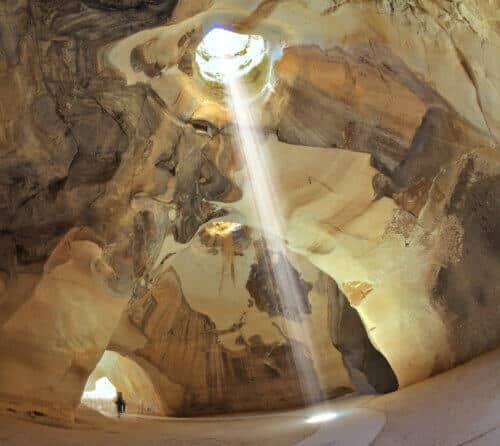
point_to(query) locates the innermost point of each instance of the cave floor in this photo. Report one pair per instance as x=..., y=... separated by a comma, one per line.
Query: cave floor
x=457, y=408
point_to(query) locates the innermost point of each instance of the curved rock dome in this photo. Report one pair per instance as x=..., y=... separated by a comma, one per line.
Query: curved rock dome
x=254, y=205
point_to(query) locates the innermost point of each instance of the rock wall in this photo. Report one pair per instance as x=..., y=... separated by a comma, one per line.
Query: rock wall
x=121, y=181
x=52, y=343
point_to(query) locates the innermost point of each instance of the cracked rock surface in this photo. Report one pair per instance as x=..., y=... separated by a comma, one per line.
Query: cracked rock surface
x=126, y=217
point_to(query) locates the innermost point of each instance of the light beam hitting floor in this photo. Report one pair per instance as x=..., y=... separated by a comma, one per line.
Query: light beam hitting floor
x=258, y=167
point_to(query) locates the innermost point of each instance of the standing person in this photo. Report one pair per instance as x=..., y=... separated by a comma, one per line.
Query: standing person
x=120, y=404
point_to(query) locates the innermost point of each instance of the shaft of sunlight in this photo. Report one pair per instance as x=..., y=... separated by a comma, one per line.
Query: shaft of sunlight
x=266, y=205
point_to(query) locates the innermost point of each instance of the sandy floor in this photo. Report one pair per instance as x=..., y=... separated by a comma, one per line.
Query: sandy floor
x=275, y=429
x=459, y=408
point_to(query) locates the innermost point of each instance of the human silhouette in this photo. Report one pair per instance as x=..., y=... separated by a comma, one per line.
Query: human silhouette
x=120, y=404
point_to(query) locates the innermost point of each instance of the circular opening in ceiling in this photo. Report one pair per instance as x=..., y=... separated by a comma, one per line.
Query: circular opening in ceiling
x=224, y=54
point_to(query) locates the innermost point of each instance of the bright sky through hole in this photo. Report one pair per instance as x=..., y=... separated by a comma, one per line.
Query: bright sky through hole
x=223, y=53
x=104, y=389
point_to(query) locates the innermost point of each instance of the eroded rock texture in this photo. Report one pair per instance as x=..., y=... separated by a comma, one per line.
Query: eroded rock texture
x=199, y=374
x=264, y=289
x=126, y=221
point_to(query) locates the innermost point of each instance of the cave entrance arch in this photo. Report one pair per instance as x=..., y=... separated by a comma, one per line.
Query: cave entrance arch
x=117, y=373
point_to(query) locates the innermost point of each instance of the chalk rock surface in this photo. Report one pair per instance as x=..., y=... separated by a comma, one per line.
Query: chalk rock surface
x=127, y=210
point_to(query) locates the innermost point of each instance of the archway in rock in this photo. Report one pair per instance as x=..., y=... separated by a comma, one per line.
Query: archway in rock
x=117, y=163
x=113, y=373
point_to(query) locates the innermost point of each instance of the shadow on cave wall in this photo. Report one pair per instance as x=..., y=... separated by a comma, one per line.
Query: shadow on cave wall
x=467, y=290
x=369, y=370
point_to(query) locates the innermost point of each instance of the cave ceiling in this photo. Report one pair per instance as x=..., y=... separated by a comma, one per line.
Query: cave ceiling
x=126, y=214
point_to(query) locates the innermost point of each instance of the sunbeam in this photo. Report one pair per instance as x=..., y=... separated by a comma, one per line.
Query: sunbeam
x=258, y=167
